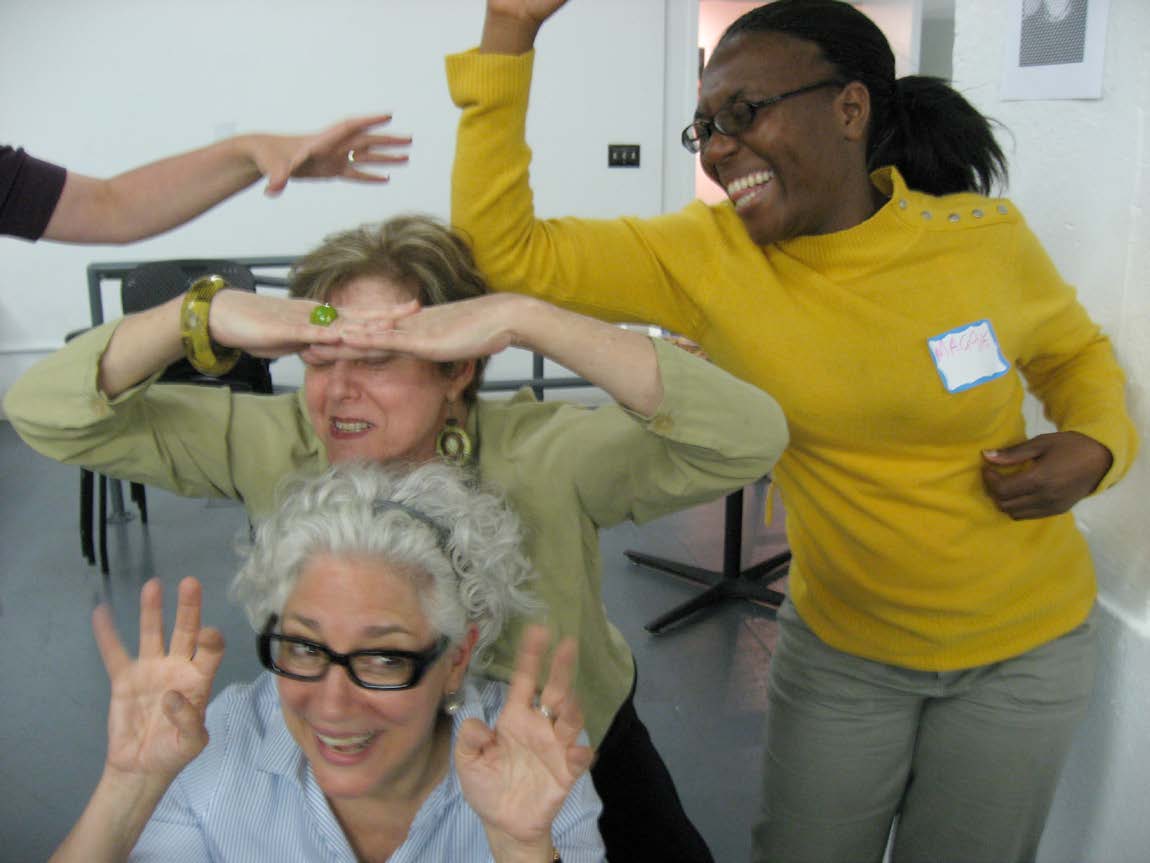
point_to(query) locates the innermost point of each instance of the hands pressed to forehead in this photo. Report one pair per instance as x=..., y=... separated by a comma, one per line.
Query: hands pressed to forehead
x=358, y=333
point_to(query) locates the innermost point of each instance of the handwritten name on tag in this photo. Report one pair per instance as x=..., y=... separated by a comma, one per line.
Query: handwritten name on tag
x=967, y=356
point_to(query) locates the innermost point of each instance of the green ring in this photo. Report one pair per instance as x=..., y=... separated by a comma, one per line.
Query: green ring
x=323, y=315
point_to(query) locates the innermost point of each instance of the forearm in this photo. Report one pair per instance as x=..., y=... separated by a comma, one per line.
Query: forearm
x=153, y=198
x=1067, y=361
x=619, y=361
x=113, y=820
x=611, y=269
x=143, y=344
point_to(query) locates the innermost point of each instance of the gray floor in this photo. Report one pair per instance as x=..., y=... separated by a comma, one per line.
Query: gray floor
x=701, y=692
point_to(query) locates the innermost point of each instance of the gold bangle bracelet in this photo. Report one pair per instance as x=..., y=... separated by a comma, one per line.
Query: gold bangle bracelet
x=206, y=357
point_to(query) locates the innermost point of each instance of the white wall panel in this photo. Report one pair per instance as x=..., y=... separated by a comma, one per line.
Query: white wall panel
x=103, y=87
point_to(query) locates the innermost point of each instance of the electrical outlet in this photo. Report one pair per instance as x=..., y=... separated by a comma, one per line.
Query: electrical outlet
x=622, y=155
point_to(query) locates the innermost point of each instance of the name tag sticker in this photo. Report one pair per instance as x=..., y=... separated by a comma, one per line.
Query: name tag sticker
x=967, y=356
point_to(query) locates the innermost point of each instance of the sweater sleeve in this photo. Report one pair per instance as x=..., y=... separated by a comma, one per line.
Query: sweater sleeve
x=1069, y=363
x=613, y=269
x=712, y=434
x=197, y=441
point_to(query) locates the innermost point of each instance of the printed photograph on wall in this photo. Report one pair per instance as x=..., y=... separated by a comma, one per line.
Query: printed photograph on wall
x=1053, y=32
x=1054, y=49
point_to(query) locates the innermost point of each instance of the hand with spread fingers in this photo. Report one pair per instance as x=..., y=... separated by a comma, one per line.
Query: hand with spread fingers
x=343, y=150
x=1045, y=475
x=156, y=715
x=517, y=775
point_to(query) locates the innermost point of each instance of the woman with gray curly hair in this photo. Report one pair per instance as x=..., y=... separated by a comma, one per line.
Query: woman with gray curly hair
x=399, y=578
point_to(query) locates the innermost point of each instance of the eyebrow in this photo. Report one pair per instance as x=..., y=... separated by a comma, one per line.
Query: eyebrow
x=368, y=632
x=737, y=96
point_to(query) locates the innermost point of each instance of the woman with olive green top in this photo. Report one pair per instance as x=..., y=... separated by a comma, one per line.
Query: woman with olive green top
x=383, y=386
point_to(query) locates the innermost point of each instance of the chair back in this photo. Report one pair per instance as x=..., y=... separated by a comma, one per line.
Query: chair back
x=157, y=282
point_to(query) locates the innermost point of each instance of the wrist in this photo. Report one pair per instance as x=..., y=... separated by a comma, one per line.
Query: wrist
x=526, y=319
x=165, y=318
x=507, y=34
x=245, y=152
x=133, y=795
x=202, y=351
x=505, y=848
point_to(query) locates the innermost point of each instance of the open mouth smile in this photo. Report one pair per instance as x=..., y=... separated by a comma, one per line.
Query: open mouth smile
x=344, y=427
x=749, y=188
x=351, y=745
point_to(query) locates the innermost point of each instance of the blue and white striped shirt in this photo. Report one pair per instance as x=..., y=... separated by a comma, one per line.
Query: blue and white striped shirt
x=251, y=796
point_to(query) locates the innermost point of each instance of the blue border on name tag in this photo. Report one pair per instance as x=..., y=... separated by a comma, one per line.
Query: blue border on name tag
x=974, y=383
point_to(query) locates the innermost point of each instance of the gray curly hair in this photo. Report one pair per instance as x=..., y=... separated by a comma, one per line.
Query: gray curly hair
x=462, y=542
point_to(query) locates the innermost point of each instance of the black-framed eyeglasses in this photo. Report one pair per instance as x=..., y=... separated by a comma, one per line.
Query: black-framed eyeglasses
x=304, y=659
x=736, y=117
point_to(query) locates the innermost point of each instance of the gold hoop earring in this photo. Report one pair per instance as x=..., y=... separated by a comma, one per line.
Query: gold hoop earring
x=453, y=443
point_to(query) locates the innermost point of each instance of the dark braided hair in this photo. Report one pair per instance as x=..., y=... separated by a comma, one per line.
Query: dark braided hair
x=938, y=141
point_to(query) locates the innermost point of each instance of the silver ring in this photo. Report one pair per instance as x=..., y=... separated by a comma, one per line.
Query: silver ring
x=546, y=713
x=351, y=156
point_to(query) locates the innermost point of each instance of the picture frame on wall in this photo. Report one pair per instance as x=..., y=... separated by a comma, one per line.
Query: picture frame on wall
x=1054, y=49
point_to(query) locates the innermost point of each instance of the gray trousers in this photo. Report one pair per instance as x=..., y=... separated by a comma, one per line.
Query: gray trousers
x=968, y=760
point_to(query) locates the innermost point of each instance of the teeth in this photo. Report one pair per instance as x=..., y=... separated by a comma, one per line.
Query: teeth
x=746, y=200
x=757, y=178
x=347, y=744
x=356, y=426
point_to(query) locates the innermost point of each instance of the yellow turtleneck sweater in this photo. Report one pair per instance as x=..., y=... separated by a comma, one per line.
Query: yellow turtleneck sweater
x=879, y=343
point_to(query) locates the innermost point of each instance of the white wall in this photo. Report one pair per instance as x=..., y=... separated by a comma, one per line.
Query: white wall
x=103, y=86
x=937, y=55
x=1079, y=172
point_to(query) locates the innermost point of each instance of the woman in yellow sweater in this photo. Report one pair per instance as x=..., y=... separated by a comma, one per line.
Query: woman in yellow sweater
x=937, y=650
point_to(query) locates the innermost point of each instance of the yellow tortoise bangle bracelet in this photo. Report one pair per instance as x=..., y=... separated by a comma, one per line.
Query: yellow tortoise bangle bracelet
x=206, y=357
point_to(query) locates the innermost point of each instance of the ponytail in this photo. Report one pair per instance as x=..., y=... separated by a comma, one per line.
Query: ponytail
x=936, y=139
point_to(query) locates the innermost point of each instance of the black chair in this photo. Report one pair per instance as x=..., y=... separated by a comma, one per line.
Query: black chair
x=143, y=287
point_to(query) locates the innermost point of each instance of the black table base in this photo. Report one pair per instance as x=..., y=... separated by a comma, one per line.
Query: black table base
x=733, y=582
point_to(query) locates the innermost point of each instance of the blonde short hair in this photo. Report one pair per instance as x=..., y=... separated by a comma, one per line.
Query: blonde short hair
x=414, y=250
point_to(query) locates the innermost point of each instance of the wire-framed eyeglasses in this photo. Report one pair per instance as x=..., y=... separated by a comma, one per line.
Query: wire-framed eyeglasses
x=736, y=117
x=304, y=659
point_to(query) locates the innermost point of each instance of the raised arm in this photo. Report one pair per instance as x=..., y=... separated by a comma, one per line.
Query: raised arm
x=162, y=195
x=155, y=721
x=693, y=432
x=614, y=268
x=92, y=402
x=147, y=342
